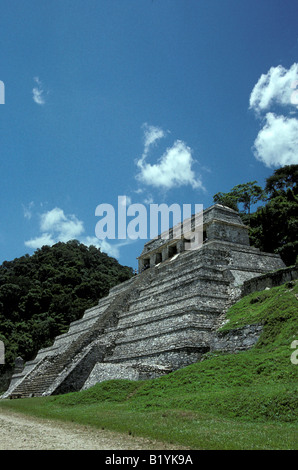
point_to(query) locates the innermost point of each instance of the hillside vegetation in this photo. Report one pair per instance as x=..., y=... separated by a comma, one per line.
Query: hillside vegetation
x=40, y=295
x=246, y=400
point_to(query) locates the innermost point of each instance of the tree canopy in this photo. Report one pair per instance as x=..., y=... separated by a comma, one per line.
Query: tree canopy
x=246, y=193
x=40, y=295
x=273, y=227
x=283, y=178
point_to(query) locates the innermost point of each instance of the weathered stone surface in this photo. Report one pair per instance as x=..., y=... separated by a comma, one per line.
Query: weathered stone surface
x=160, y=320
x=238, y=339
x=125, y=371
x=270, y=280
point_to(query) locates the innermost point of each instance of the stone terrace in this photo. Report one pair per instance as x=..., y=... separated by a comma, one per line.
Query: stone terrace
x=163, y=319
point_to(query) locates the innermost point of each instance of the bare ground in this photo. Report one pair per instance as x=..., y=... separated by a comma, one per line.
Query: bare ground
x=20, y=432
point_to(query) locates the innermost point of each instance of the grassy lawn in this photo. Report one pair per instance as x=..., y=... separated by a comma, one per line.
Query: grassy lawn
x=191, y=429
x=228, y=401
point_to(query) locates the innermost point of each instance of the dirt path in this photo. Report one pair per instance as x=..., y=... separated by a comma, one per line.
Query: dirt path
x=20, y=432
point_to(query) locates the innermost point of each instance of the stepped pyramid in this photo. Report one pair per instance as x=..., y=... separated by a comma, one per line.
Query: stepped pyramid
x=160, y=320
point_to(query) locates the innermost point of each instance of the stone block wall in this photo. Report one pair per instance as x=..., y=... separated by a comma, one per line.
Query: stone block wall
x=269, y=280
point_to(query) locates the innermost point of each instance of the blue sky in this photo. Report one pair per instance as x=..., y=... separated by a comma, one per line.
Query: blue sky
x=164, y=101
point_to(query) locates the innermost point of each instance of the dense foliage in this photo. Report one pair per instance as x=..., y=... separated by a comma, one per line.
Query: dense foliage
x=41, y=294
x=238, y=401
x=274, y=225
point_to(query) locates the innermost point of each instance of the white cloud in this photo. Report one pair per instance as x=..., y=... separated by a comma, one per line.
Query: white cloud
x=151, y=135
x=173, y=169
x=275, y=87
x=55, y=226
x=111, y=249
x=65, y=227
x=148, y=200
x=277, y=143
x=38, y=92
x=38, y=242
x=104, y=245
x=51, y=220
x=125, y=201
x=28, y=210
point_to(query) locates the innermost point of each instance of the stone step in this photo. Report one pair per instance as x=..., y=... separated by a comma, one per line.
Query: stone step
x=192, y=280
x=166, y=325
x=176, y=299
x=49, y=368
x=165, y=313
x=192, y=286
x=186, y=338
x=159, y=311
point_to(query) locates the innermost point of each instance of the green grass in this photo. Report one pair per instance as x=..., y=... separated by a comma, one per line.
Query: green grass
x=246, y=400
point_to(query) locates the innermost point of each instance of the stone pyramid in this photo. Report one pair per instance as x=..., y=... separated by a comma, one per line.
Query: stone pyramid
x=160, y=320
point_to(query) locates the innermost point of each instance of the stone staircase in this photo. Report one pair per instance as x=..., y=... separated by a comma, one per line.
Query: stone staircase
x=40, y=379
x=161, y=320
x=171, y=320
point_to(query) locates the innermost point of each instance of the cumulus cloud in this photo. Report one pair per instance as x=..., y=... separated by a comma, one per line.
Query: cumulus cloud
x=104, y=245
x=55, y=226
x=174, y=167
x=277, y=142
x=38, y=242
x=38, y=92
x=64, y=227
x=274, y=87
x=151, y=135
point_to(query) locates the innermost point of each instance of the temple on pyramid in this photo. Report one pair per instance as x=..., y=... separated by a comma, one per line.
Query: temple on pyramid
x=162, y=319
